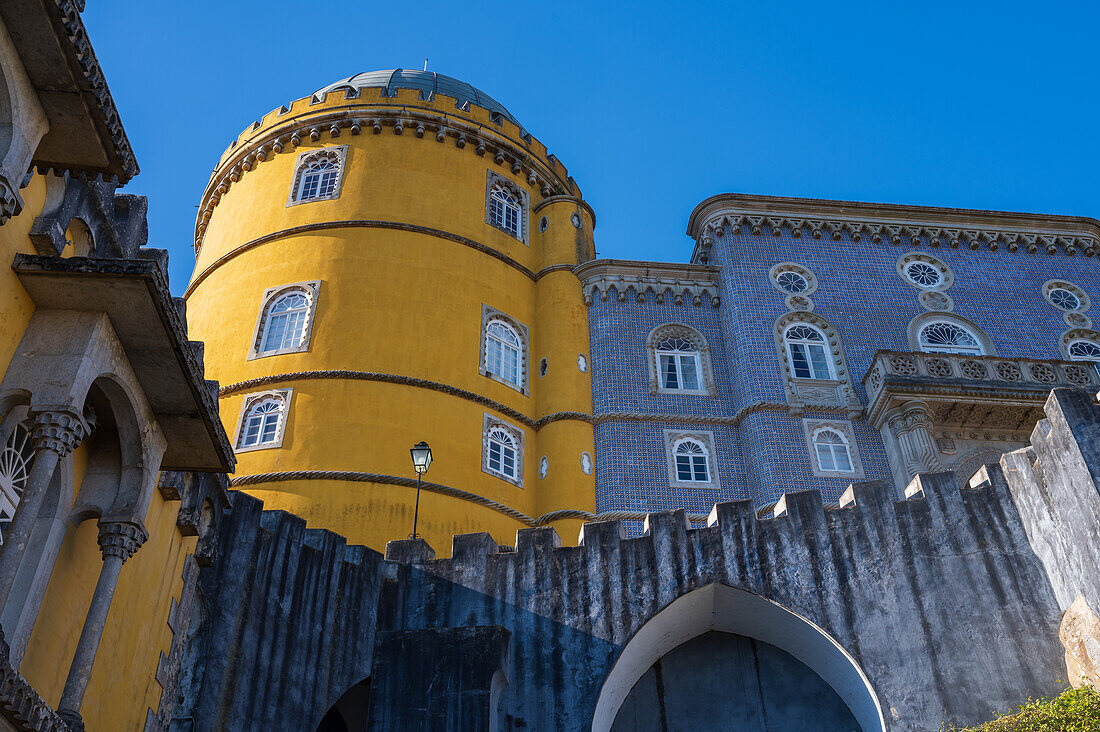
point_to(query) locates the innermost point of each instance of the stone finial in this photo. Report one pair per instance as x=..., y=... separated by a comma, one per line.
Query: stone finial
x=120, y=538
x=60, y=430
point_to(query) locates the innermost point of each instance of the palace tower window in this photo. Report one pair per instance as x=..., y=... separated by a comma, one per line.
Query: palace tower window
x=806, y=349
x=285, y=321
x=263, y=420
x=318, y=175
x=502, y=450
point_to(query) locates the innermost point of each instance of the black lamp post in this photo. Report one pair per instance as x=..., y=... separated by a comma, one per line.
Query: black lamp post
x=422, y=458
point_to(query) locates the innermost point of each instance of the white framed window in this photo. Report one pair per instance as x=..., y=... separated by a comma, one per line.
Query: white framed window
x=1085, y=350
x=792, y=278
x=285, y=322
x=263, y=420
x=678, y=364
x=924, y=271
x=832, y=447
x=1066, y=296
x=807, y=350
x=679, y=360
x=692, y=462
x=16, y=461
x=504, y=349
x=502, y=450
x=506, y=206
x=318, y=175
x=940, y=336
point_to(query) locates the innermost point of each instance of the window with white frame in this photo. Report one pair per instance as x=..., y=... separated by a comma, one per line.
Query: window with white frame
x=505, y=206
x=504, y=349
x=691, y=459
x=807, y=351
x=502, y=450
x=318, y=175
x=678, y=364
x=944, y=337
x=1084, y=350
x=286, y=320
x=832, y=451
x=16, y=460
x=263, y=420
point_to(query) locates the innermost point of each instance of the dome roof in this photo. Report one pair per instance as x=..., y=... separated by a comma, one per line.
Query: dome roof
x=426, y=82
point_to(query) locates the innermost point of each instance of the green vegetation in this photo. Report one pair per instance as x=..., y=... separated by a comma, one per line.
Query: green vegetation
x=1075, y=710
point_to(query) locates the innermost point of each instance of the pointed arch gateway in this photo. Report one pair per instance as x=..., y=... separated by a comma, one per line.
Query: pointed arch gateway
x=727, y=610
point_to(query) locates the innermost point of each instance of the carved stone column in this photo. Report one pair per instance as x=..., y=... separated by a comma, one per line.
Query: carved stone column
x=910, y=425
x=55, y=434
x=118, y=540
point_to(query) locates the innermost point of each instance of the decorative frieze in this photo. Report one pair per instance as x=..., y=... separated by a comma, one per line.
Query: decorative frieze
x=641, y=281
x=894, y=224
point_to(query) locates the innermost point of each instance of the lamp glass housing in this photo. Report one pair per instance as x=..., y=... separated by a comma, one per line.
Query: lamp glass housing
x=421, y=457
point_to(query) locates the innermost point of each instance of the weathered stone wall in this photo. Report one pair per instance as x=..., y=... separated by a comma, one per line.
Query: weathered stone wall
x=949, y=602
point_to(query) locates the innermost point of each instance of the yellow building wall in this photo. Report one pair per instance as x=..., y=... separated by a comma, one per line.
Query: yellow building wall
x=16, y=307
x=405, y=303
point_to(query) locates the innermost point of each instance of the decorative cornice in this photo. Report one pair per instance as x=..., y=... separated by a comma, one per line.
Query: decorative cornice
x=897, y=224
x=287, y=134
x=351, y=375
x=732, y=421
x=355, y=224
x=245, y=481
x=696, y=282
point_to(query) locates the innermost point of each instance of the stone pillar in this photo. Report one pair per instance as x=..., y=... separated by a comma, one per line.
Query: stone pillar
x=910, y=426
x=55, y=433
x=118, y=540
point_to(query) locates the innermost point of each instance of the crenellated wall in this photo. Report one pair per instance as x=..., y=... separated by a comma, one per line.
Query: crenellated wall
x=947, y=605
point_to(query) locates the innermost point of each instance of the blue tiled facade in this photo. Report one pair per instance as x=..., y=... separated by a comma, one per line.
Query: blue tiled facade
x=762, y=450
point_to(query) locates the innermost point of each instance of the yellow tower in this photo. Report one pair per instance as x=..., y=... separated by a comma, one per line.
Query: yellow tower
x=387, y=261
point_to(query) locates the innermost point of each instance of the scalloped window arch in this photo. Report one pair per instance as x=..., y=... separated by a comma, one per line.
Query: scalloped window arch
x=692, y=459
x=502, y=450
x=832, y=451
x=807, y=350
x=504, y=352
x=944, y=336
x=285, y=322
x=318, y=175
x=679, y=360
x=263, y=420
x=1083, y=349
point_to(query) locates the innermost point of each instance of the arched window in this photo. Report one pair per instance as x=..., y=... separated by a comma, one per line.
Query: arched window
x=678, y=364
x=285, y=322
x=806, y=347
x=503, y=452
x=16, y=460
x=1083, y=350
x=263, y=420
x=503, y=352
x=505, y=210
x=318, y=175
x=692, y=462
x=833, y=452
x=943, y=337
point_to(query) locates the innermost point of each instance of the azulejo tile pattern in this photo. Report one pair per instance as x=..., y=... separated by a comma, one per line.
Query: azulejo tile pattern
x=764, y=453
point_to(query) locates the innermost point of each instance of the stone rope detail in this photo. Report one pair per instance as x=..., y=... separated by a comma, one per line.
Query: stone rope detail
x=535, y=424
x=446, y=490
x=355, y=224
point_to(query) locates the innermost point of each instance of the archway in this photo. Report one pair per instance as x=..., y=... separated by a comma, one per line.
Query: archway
x=725, y=610
x=349, y=713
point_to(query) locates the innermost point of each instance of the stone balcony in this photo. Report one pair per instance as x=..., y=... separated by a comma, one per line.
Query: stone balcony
x=939, y=411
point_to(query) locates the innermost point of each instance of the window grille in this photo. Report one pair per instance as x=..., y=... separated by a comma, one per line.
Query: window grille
x=833, y=453
x=692, y=462
x=502, y=455
x=285, y=322
x=261, y=423
x=678, y=364
x=806, y=349
x=941, y=337
x=16, y=460
x=503, y=352
x=505, y=211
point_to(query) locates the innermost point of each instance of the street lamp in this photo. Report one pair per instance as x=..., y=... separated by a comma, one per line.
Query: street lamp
x=422, y=458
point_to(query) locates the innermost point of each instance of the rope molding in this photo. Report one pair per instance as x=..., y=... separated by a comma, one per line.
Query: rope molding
x=446, y=490
x=535, y=424
x=355, y=224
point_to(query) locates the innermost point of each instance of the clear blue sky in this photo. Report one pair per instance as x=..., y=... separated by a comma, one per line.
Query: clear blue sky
x=652, y=106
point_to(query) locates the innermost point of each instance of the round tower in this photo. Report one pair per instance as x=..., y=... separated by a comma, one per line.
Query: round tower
x=387, y=261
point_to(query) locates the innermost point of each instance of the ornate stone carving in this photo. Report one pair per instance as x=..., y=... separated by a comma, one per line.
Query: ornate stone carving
x=1008, y=371
x=939, y=302
x=800, y=304
x=120, y=538
x=59, y=430
x=696, y=284
x=1042, y=373
x=939, y=368
x=972, y=369
x=903, y=366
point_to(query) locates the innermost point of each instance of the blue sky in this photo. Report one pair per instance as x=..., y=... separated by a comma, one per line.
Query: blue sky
x=652, y=107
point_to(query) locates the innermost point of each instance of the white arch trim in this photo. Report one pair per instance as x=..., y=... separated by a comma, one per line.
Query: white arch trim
x=729, y=610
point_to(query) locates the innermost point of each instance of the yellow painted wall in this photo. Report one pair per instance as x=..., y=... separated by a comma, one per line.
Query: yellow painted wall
x=399, y=302
x=16, y=307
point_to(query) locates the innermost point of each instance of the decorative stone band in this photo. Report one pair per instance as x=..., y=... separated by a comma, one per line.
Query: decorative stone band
x=507, y=411
x=911, y=416
x=120, y=538
x=910, y=225
x=60, y=430
x=731, y=421
x=637, y=280
x=244, y=481
x=354, y=118
x=356, y=224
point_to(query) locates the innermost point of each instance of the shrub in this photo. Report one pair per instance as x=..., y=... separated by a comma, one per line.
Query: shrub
x=1075, y=710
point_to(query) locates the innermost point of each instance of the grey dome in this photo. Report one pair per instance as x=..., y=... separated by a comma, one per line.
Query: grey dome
x=426, y=82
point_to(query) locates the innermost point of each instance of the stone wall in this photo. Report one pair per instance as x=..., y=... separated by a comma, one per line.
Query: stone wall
x=948, y=602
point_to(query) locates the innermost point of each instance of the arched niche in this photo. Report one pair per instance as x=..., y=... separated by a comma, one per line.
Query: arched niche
x=115, y=483
x=725, y=609
x=350, y=711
